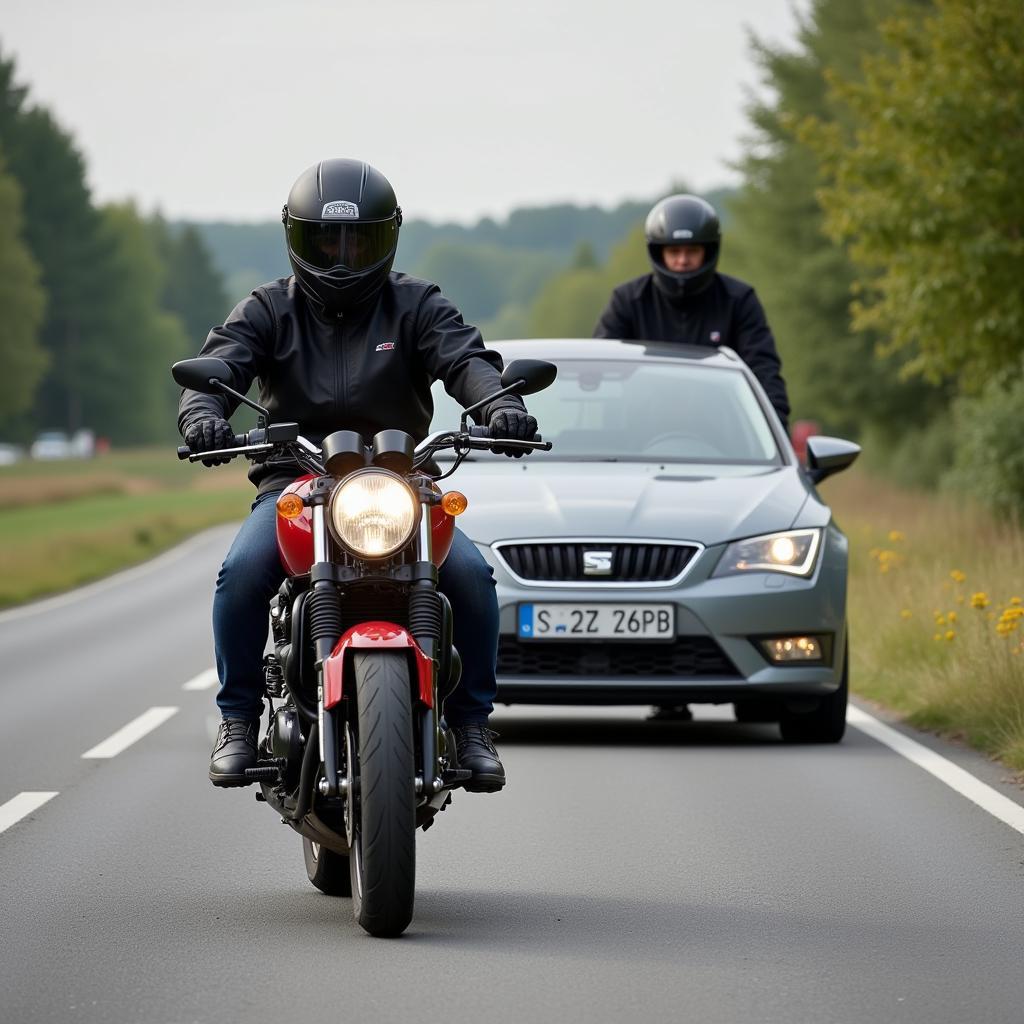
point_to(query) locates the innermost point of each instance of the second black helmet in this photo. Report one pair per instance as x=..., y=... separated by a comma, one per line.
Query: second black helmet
x=341, y=225
x=683, y=220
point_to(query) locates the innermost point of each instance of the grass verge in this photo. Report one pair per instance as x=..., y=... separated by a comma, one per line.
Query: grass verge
x=63, y=524
x=936, y=612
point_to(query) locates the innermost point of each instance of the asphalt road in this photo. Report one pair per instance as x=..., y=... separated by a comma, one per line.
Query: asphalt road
x=700, y=872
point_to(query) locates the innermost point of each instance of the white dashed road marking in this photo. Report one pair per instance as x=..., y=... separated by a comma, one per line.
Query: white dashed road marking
x=23, y=804
x=989, y=799
x=206, y=680
x=134, y=730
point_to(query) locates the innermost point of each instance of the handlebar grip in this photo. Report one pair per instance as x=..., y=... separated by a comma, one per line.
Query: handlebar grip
x=475, y=431
x=239, y=441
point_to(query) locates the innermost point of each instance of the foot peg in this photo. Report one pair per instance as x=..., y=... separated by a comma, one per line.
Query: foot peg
x=265, y=771
x=455, y=777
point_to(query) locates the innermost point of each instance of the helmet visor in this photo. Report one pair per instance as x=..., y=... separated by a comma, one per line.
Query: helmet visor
x=354, y=246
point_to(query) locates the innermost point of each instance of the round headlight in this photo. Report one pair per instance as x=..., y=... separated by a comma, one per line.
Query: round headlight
x=373, y=513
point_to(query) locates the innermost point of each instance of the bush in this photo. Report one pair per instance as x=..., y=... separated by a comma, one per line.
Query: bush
x=989, y=462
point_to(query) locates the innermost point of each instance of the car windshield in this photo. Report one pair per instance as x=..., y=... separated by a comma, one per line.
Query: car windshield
x=650, y=411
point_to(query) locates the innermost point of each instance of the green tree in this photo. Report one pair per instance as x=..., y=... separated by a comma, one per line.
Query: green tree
x=925, y=189
x=63, y=232
x=193, y=287
x=776, y=238
x=22, y=300
x=127, y=393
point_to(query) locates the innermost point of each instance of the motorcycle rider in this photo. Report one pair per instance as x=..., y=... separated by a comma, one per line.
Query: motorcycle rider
x=345, y=343
x=685, y=299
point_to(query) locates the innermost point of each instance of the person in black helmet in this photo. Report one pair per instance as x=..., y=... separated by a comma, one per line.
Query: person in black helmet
x=345, y=343
x=685, y=299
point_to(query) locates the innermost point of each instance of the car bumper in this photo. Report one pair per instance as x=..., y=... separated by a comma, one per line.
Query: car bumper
x=718, y=622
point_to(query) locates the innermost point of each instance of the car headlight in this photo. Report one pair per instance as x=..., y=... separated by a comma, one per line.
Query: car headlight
x=793, y=552
x=374, y=513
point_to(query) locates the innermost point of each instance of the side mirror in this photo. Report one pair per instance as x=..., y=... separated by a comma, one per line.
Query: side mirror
x=828, y=455
x=196, y=374
x=537, y=373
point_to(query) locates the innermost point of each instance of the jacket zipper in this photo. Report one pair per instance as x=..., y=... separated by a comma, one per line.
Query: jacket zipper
x=339, y=375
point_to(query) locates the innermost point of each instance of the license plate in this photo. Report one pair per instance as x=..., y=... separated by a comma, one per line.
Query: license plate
x=597, y=622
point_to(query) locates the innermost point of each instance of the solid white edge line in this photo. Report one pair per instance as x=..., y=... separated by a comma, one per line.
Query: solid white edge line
x=978, y=792
x=20, y=806
x=206, y=680
x=130, y=733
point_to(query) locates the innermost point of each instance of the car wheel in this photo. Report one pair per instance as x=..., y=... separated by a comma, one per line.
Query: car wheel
x=827, y=722
x=756, y=709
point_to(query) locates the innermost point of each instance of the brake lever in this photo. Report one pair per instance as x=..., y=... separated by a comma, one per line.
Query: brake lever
x=231, y=453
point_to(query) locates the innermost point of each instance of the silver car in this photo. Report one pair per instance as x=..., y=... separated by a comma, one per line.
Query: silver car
x=670, y=549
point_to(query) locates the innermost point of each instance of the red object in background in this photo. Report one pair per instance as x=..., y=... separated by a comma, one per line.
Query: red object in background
x=295, y=536
x=798, y=434
x=102, y=446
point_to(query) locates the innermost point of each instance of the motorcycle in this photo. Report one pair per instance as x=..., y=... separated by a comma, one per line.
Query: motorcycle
x=357, y=756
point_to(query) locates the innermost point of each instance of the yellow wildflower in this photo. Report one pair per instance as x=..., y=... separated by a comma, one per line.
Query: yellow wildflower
x=940, y=620
x=979, y=600
x=950, y=634
x=1015, y=600
x=905, y=613
x=951, y=617
x=958, y=575
x=938, y=636
x=895, y=536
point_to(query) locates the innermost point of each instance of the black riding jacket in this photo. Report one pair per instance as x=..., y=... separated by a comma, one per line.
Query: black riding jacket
x=367, y=370
x=726, y=313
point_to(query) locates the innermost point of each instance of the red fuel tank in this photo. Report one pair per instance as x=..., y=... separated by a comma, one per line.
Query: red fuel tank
x=295, y=536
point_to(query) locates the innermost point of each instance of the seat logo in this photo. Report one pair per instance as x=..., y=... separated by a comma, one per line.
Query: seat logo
x=597, y=563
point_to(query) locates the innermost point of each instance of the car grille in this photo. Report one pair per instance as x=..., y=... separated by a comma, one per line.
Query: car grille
x=563, y=562
x=687, y=656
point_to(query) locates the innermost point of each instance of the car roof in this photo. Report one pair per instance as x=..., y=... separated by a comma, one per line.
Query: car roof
x=609, y=348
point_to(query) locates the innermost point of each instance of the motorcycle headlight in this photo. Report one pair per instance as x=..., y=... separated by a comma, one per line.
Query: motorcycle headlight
x=374, y=513
x=791, y=552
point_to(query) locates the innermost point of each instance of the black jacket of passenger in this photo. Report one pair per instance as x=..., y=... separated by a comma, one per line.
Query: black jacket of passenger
x=368, y=370
x=726, y=313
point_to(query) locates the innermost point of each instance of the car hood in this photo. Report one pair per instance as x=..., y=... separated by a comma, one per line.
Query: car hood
x=708, y=504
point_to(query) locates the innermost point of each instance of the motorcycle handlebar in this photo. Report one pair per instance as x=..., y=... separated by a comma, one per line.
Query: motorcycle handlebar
x=240, y=441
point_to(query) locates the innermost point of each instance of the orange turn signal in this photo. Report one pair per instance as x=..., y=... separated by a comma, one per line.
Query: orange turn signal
x=289, y=506
x=454, y=503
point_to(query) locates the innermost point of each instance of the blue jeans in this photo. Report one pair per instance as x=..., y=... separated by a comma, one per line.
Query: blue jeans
x=252, y=573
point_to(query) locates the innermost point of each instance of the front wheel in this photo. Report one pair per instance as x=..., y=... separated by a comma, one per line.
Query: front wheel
x=827, y=722
x=383, y=858
x=327, y=870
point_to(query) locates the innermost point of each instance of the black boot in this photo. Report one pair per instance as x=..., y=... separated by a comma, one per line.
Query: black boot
x=474, y=747
x=234, y=751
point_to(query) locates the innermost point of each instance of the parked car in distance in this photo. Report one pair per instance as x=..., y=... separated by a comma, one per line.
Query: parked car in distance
x=670, y=549
x=51, y=444
x=55, y=444
x=11, y=453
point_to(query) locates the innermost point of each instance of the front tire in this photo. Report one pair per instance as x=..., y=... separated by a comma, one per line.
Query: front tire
x=327, y=870
x=827, y=722
x=383, y=859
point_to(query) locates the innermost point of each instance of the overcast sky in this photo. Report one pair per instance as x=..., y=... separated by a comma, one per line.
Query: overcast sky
x=211, y=108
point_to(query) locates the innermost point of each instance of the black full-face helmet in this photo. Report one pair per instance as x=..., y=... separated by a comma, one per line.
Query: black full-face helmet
x=341, y=224
x=683, y=220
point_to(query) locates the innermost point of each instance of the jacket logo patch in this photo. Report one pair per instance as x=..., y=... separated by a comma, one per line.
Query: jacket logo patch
x=716, y=336
x=340, y=210
x=385, y=346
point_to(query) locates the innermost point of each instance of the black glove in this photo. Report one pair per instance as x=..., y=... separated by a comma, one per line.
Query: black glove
x=514, y=423
x=208, y=435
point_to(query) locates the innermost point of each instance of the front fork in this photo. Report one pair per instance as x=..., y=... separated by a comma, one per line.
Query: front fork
x=325, y=626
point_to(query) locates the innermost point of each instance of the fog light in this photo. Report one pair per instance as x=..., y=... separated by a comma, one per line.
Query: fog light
x=790, y=649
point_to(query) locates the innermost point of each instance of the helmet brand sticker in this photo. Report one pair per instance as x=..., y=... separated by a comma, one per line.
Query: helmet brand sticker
x=682, y=233
x=340, y=210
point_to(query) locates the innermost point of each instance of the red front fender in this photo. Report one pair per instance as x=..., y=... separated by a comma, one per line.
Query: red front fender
x=375, y=636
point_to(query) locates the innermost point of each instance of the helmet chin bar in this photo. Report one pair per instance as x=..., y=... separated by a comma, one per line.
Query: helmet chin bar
x=339, y=290
x=681, y=285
